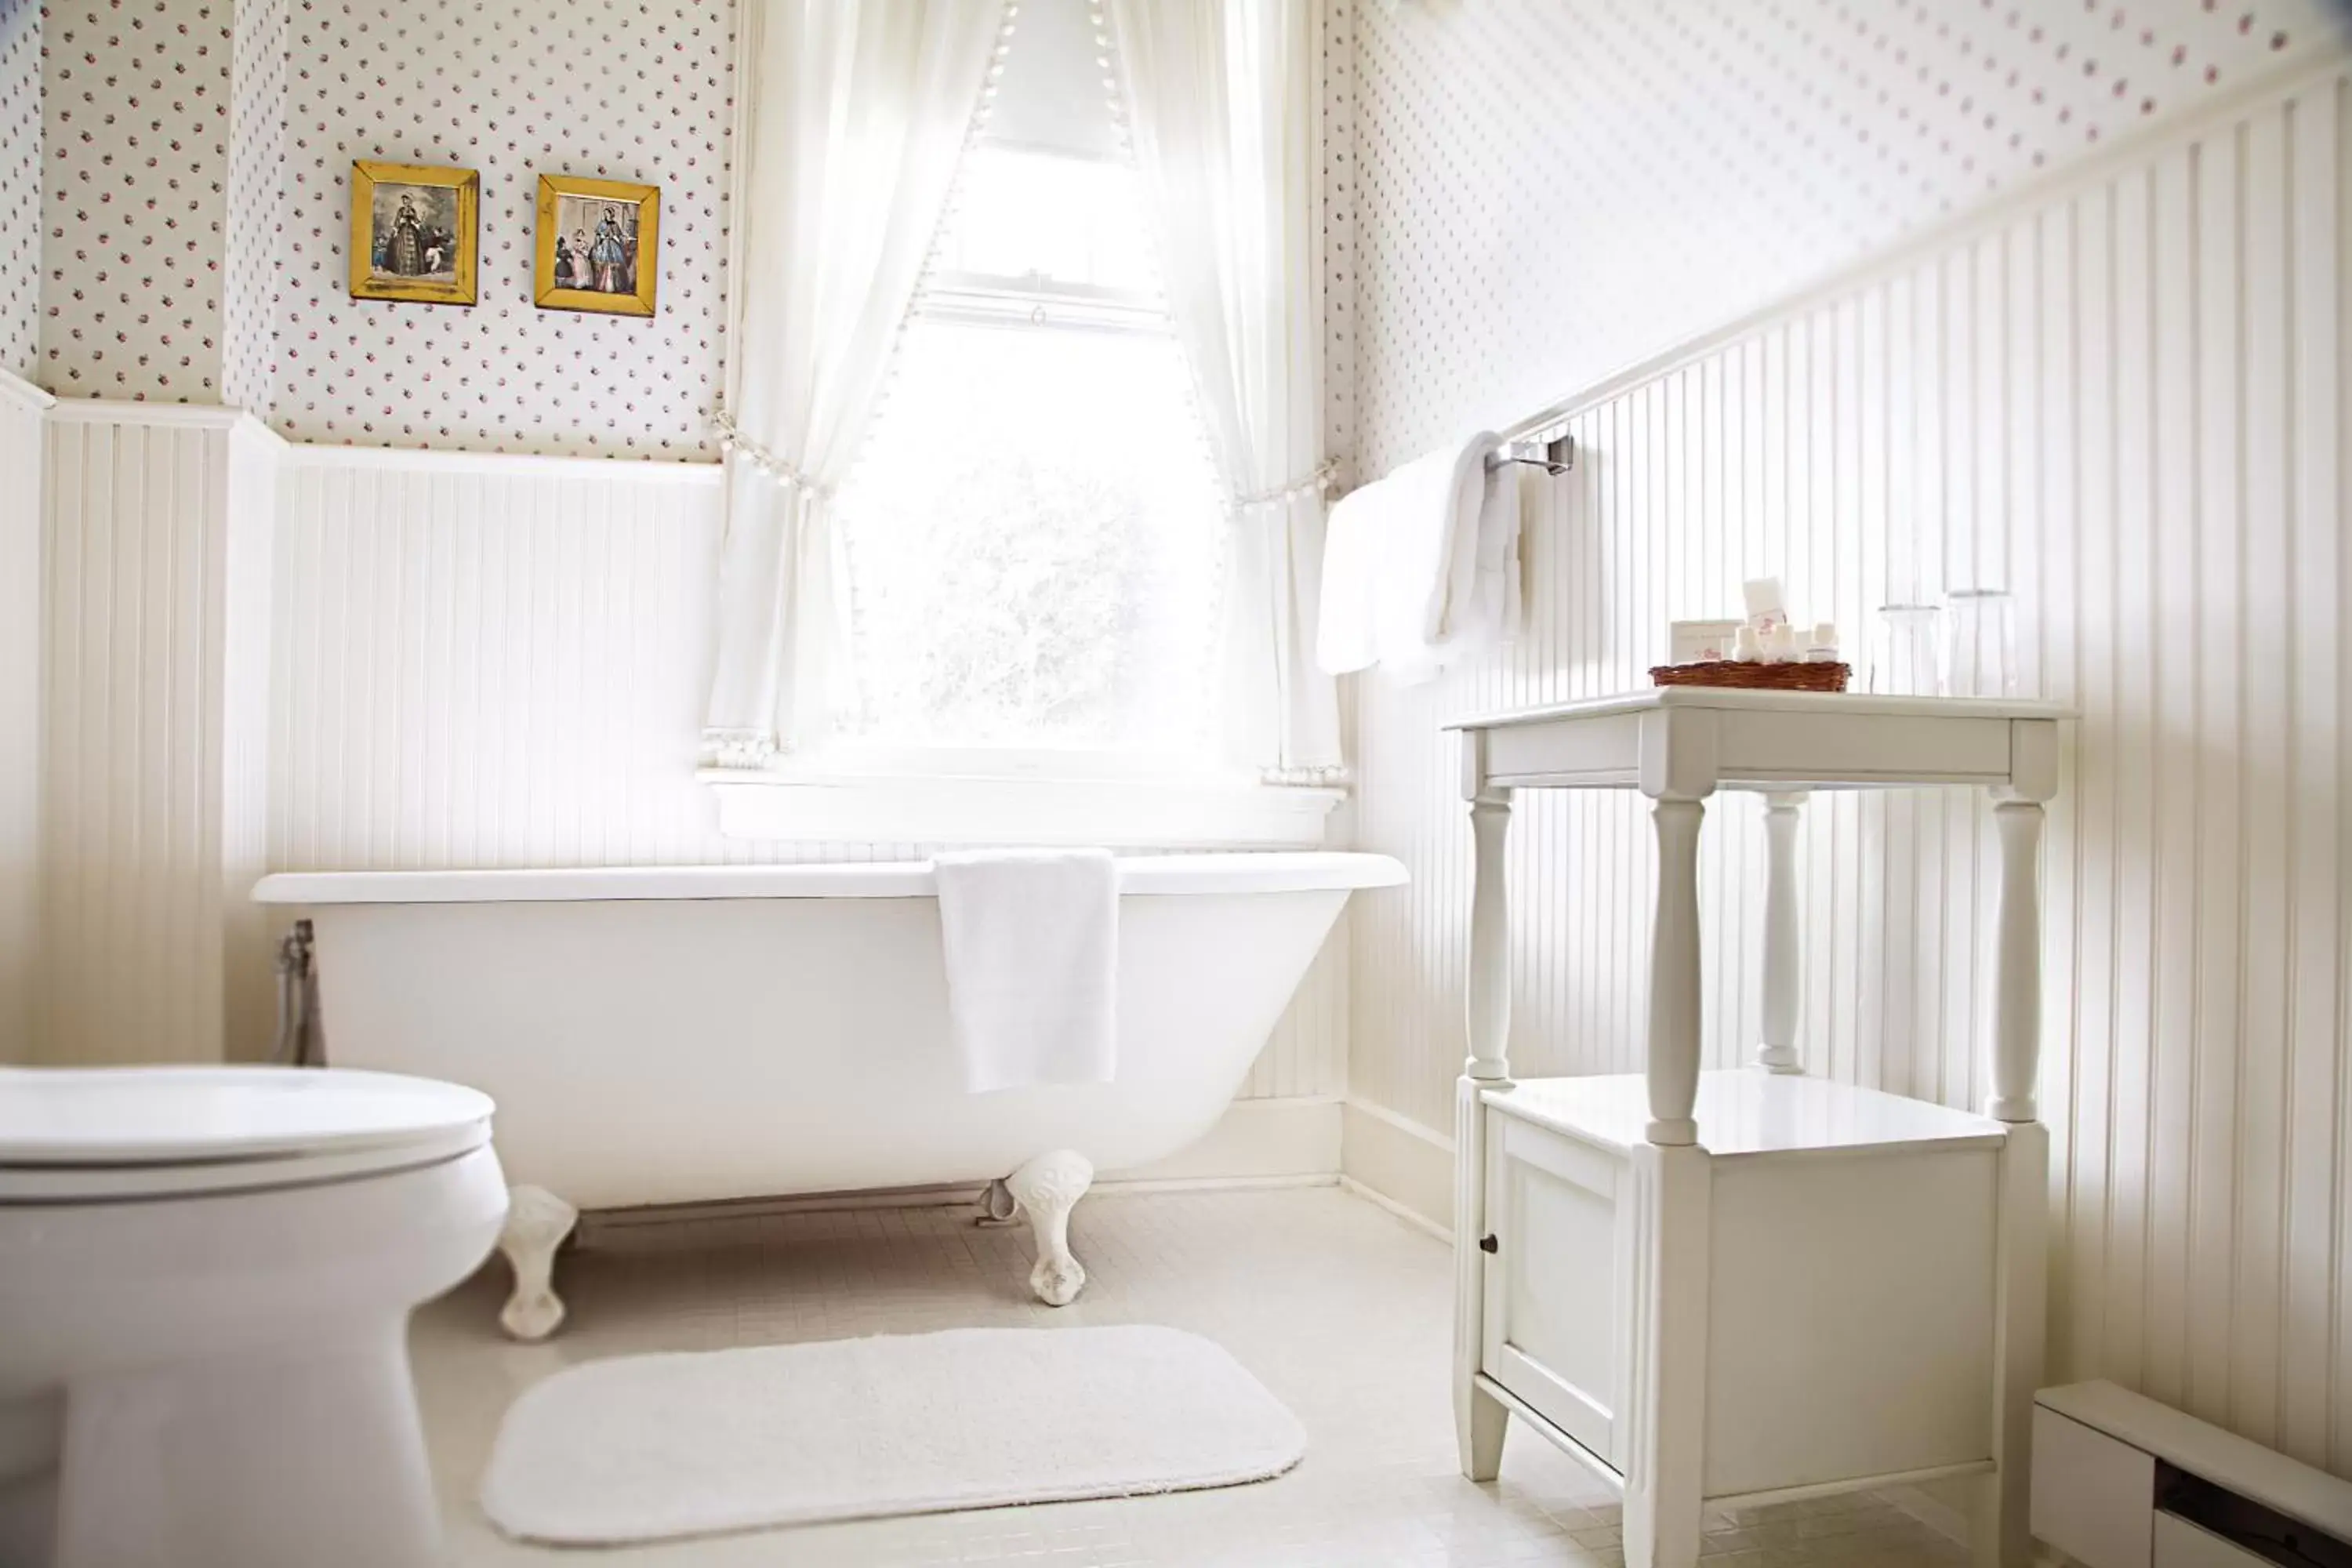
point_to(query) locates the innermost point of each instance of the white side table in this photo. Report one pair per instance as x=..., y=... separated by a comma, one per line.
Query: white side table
x=1752, y=1286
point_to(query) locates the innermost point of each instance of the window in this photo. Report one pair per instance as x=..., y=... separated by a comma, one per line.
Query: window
x=1027, y=631
x=1034, y=530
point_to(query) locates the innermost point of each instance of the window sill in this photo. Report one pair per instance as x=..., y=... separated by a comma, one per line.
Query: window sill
x=1127, y=813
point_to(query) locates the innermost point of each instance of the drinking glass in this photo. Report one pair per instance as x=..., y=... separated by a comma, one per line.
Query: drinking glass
x=1907, y=659
x=1983, y=631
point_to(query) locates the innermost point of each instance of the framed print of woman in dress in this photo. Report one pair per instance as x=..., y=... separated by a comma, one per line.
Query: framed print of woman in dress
x=412, y=233
x=598, y=245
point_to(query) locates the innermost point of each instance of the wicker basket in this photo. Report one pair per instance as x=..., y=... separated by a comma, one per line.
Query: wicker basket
x=1754, y=677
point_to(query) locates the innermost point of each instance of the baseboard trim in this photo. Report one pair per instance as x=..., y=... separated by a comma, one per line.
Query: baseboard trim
x=1400, y=1163
x=1419, y=1222
x=1401, y=1122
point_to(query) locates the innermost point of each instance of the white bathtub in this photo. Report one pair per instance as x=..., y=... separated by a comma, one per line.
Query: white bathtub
x=668, y=1035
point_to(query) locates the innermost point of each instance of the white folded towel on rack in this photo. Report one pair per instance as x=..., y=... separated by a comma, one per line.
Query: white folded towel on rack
x=1030, y=938
x=1422, y=567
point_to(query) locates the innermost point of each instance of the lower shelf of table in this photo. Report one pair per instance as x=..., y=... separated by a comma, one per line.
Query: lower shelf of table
x=1746, y=1111
x=1849, y=1302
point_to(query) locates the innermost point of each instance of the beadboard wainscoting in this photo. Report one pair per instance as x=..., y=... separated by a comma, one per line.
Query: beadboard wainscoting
x=21, y=404
x=154, y=573
x=2124, y=400
x=484, y=660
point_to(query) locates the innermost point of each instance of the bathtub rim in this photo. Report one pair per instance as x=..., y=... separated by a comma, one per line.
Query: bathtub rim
x=1141, y=876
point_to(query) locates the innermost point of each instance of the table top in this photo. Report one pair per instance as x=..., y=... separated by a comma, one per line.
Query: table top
x=1853, y=704
x=1746, y=1111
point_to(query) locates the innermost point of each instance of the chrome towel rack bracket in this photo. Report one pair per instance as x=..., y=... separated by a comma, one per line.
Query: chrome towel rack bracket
x=1557, y=456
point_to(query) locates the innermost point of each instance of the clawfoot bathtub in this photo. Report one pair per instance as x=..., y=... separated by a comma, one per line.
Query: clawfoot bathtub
x=681, y=1035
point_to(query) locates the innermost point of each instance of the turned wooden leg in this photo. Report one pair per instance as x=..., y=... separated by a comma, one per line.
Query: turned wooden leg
x=2017, y=964
x=537, y=1223
x=1777, y=1052
x=1480, y=1420
x=1488, y=1013
x=1674, y=1052
x=1048, y=1188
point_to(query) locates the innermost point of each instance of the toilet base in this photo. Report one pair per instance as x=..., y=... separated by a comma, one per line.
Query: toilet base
x=307, y=1453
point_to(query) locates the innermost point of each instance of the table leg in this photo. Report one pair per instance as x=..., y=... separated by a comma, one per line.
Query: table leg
x=1488, y=1015
x=1666, y=1480
x=1480, y=1420
x=2002, y=1531
x=2017, y=964
x=1783, y=942
x=1674, y=1053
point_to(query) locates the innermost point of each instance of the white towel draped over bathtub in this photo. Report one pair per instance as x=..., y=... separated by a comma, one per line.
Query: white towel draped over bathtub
x=1031, y=938
x=1421, y=568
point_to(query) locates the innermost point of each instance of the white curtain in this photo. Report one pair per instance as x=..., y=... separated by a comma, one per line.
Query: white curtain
x=1224, y=98
x=855, y=113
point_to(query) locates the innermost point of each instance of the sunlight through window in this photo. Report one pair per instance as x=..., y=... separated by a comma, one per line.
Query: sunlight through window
x=1032, y=530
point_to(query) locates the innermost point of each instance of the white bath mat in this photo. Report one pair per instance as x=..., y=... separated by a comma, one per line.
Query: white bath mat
x=645, y=1448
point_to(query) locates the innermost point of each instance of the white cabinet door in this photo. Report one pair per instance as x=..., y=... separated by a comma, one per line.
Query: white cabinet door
x=1560, y=1279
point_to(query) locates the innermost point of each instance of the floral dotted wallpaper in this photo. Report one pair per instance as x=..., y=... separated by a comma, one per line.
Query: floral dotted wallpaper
x=1335, y=81
x=623, y=89
x=256, y=204
x=20, y=184
x=1546, y=191
x=135, y=145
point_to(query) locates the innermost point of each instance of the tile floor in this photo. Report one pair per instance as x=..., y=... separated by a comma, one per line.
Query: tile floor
x=1342, y=1308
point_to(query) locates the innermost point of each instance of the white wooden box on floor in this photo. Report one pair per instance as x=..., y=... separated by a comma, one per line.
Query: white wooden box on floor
x=1751, y=1286
x=1850, y=1329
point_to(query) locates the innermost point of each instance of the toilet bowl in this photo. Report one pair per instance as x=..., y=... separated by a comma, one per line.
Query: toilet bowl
x=205, y=1279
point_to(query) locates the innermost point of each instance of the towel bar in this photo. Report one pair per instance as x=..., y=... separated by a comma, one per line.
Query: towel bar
x=1557, y=456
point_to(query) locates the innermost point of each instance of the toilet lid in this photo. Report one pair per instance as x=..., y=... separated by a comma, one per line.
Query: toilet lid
x=68, y=1134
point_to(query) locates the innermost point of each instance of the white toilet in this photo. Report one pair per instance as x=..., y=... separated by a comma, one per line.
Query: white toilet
x=205, y=1278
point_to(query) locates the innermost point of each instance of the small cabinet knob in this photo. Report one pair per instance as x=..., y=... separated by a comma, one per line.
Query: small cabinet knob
x=1490, y=1245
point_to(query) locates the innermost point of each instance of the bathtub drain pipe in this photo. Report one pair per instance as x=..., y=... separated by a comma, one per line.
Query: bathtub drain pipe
x=298, y=1003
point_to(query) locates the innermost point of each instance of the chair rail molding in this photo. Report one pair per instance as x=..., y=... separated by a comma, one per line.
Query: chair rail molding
x=314, y=455
x=16, y=392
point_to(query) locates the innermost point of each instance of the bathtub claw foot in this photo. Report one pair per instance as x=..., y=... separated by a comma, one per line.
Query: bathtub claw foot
x=1048, y=1188
x=537, y=1223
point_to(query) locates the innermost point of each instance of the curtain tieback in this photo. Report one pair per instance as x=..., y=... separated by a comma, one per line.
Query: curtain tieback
x=1313, y=484
x=732, y=439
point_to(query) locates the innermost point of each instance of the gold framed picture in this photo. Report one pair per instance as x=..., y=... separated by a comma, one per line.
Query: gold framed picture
x=414, y=234
x=598, y=245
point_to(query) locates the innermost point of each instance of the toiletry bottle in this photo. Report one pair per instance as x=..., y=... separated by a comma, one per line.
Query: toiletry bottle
x=1824, y=649
x=1746, y=646
x=1765, y=609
